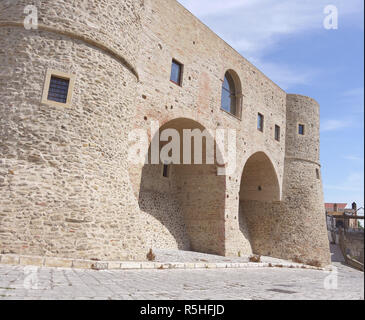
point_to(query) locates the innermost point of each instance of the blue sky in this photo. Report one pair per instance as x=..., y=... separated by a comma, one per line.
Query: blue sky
x=287, y=41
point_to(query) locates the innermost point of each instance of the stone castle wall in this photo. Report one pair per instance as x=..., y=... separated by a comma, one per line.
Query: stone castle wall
x=66, y=186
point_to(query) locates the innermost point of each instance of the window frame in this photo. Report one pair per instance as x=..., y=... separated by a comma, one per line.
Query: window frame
x=277, y=133
x=318, y=174
x=262, y=122
x=62, y=75
x=237, y=94
x=300, y=125
x=181, y=72
x=232, y=94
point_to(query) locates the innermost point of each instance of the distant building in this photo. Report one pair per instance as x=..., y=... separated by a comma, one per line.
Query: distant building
x=336, y=215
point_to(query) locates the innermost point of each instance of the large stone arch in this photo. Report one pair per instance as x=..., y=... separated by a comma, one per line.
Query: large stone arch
x=259, y=194
x=259, y=180
x=189, y=204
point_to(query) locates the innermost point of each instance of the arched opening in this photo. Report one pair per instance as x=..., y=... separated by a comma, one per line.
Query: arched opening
x=259, y=192
x=231, y=93
x=186, y=200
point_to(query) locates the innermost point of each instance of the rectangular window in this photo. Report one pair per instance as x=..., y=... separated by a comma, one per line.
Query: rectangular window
x=176, y=72
x=165, y=172
x=58, y=89
x=301, y=129
x=260, y=122
x=318, y=174
x=277, y=133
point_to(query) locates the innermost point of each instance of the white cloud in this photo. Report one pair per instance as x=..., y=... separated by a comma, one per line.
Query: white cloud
x=353, y=158
x=355, y=92
x=353, y=182
x=353, y=100
x=333, y=125
x=255, y=26
x=204, y=8
x=350, y=189
x=284, y=75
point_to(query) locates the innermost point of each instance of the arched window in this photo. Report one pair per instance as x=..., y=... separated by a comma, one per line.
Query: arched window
x=231, y=93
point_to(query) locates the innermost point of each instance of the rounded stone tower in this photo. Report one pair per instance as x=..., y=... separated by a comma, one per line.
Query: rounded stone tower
x=63, y=166
x=305, y=223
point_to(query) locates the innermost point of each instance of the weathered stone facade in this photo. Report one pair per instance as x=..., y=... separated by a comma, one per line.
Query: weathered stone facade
x=67, y=188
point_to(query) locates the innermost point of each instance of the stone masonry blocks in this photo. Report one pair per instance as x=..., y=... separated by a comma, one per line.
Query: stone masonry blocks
x=67, y=189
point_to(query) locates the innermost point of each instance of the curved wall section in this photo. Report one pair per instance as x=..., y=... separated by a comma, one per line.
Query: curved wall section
x=113, y=24
x=302, y=222
x=64, y=171
x=303, y=111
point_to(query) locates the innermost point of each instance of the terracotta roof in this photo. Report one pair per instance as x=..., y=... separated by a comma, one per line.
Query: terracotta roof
x=330, y=206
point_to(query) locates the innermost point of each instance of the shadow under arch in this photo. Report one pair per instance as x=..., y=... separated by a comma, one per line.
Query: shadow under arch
x=187, y=206
x=258, y=199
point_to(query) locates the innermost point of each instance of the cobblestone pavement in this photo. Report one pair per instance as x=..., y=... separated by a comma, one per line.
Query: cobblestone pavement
x=18, y=282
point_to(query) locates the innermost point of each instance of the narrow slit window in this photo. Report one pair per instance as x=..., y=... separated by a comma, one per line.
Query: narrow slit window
x=58, y=89
x=277, y=133
x=176, y=72
x=318, y=174
x=165, y=172
x=260, y=122
x=301, y=129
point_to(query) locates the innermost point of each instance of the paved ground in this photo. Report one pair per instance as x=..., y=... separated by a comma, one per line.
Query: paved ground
x=17, y=282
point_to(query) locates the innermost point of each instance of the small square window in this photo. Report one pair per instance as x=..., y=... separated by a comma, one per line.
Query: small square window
x=277, y=133
x=176, y=72
x=58, y=87
x=301, y=129
x=165, y=171
x=260, y=122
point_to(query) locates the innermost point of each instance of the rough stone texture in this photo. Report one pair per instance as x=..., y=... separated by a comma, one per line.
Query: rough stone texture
x=353, y=244
x=302, y=189
x=99, y=22
x=66, y=187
